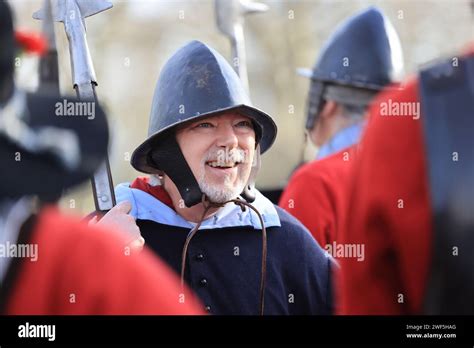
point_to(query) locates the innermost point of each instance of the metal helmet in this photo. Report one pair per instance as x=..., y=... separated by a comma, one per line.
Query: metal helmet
x=196, y=82
x=363, y=55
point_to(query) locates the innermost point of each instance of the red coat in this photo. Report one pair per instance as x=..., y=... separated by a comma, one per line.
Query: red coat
x=86, y=270
x=317, y=193
x=389, y=213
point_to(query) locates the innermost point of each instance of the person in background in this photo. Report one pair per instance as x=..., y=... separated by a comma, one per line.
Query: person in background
x=359, y=59
x=412, y=199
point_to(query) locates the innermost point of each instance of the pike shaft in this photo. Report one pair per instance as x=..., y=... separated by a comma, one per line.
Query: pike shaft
x=84, y=84
x=238, y=55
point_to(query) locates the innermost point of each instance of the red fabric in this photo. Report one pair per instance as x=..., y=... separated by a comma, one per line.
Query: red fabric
x=91, y=264
x=141, y=183
x=397, y=240
x=317, y=193
x=469, y=49
x=31, y=42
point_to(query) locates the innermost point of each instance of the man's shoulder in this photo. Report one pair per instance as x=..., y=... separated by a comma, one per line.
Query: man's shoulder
x=296, y=233
x=315, y=179
x=334, y=162
x=289, y=222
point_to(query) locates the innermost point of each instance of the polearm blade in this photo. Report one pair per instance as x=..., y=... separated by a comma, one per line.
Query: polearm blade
x=230, y=18
x=72, y=13
x=48, y=66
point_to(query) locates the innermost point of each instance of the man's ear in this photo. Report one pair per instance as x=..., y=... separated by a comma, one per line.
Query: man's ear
x=329, y=109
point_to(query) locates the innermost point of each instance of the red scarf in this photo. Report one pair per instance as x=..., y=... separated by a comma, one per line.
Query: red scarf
x=142, y=183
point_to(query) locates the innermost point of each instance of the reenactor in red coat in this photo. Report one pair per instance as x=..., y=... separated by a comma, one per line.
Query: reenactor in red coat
x=358, y=60
x=411, y=204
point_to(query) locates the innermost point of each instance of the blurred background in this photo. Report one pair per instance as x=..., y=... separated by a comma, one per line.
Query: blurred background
x=131, y=42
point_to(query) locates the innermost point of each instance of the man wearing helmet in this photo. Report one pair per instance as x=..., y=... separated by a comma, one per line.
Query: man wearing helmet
x=358, y=60
x=199, y=209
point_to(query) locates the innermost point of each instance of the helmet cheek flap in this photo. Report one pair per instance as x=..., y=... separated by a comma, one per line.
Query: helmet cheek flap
x=169, y=158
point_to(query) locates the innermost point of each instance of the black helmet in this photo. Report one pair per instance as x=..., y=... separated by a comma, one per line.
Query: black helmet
x=196, y=82
x=363, y=53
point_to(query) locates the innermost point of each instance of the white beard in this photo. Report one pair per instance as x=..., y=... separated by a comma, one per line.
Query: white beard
x=224, y=192
x=227, y=190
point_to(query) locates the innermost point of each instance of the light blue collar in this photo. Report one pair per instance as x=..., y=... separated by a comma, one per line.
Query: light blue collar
x=147, y=207
x=341, y=140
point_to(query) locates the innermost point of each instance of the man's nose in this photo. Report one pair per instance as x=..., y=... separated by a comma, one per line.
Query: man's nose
x=226, y=137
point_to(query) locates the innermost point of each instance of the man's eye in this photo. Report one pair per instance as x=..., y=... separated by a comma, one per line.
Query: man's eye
x=205, y=125
x=247, y=124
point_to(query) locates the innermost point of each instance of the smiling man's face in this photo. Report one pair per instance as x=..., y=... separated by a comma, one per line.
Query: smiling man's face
x=220, y=151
